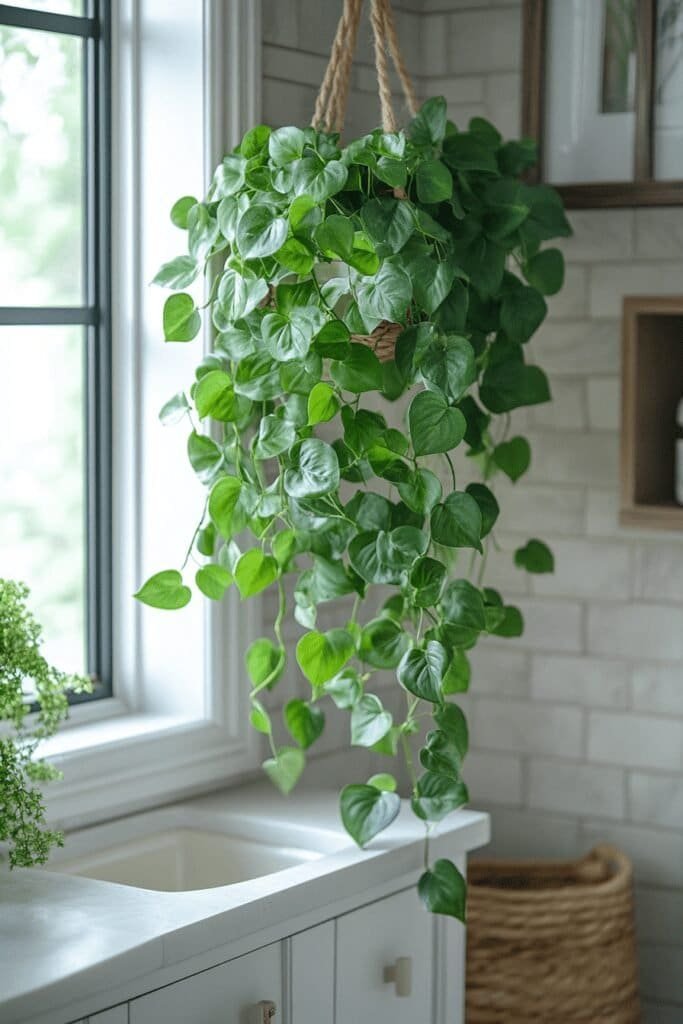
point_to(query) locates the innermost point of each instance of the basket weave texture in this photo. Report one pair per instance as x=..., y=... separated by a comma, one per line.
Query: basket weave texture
x=382, y=341
x=552, y=942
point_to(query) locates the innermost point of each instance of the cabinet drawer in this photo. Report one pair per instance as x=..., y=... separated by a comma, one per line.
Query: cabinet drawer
x=222, y=995
x=393, y=930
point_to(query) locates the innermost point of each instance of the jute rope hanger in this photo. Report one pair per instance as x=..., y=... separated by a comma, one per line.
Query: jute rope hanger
x=330, y=106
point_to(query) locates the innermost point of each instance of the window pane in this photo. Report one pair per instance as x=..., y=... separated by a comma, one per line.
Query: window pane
x=41, y=168
x=668, y=99
x=590, y=91
x=42, y=497
x=53, y=6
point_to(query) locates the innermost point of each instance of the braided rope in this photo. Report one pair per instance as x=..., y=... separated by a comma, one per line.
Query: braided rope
x=331, y=101
x=339, y=45
x=342, y=81
x=377, y=20
x=397, y=57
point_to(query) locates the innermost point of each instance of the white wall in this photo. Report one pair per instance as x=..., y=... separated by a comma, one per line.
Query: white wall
x=577, y=728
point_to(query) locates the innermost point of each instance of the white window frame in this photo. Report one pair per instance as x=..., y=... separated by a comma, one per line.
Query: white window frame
x=185, y=87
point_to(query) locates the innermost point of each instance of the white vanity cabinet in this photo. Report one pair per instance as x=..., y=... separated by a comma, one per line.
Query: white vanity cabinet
x=227, y=994
x=385, y=962
x=339, y=938
x=376, y=963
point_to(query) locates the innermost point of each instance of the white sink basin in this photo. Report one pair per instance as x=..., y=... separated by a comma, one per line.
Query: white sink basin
x=185, y=858
x=184, y=848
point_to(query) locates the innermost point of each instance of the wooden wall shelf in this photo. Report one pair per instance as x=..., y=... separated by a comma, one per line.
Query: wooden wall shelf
x=652, y=386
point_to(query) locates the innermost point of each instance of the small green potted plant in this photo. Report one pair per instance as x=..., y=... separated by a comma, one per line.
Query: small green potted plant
x=340, y=279
x=33, y=702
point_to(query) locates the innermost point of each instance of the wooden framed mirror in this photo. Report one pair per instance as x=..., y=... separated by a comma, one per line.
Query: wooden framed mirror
x=603, y=95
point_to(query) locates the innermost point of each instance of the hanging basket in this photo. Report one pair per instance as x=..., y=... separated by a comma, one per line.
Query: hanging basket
x=382, y=341
x=330, y=109
x=552, y=943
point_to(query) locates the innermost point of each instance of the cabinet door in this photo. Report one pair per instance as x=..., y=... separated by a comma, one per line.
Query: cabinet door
x=373, y=939
x=312, y=975
x=117, y=1015
x=222, y=995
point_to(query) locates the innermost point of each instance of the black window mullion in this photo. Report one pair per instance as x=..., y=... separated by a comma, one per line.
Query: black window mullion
x=98, y=352
x=46, y=21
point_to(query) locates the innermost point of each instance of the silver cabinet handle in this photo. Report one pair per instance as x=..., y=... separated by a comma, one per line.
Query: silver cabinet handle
x=401, y=974
x=264, y=1012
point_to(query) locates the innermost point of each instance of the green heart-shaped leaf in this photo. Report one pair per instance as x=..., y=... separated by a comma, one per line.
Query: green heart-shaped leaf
x=304, y=722
x=345, y=688
x=323, y=403
x=434, y=425
x=370, y=722
x=179, y=273
x=265, y=663
x=535, y=557
x=165, y=590
x=426, y=580
x=434, y=182
x=322, y=655
x=545, y=271
x=449, y=369
x=180, y=210
x=275, y=436
x=421, y=671
x=285, y=145
x=359, y=371
x=443, y=890
x=206, y=458
x=522, y=312
x=513, y=457
x=260, y=233
x=254, y=572
x=285, y=769
x=421, y=491
x=462, y=607
x=386, y=296
x=383, y=642
x=182, y=322
x=214, y=396
x=457, y=522
x=436, y=796
x=213, y=581
x=366, y=811
x=316, y=470
x=488, y=506
x=222, y=502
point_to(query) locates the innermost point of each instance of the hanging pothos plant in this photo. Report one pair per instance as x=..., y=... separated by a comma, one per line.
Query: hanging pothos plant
x=309, y=248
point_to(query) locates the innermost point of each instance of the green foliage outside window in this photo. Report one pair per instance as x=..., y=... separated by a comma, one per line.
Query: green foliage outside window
x=33, y=702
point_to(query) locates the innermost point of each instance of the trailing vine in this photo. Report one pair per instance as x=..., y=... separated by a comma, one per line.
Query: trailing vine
x=308, y=248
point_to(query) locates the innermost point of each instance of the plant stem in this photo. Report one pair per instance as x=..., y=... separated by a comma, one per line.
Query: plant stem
x=408, y=756
x=482, y=564
x=451, y=466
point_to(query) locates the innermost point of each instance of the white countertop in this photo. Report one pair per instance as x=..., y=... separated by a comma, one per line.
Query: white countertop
x=65, y=939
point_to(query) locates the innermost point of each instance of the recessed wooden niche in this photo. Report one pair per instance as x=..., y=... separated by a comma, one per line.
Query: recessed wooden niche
x=651, y=388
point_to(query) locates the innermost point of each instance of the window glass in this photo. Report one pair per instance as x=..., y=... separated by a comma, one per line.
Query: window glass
x=41, y=168
x=590, y=91
x=42, y=500
x=668, y=98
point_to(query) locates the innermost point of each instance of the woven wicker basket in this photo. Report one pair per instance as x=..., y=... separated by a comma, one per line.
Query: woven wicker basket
x=382, y=341
x=552, y=943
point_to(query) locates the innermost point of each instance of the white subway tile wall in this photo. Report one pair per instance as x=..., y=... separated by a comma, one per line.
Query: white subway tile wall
x=576, y=728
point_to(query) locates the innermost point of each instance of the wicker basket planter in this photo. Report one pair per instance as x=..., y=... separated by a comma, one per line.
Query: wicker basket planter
x=552, y=943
